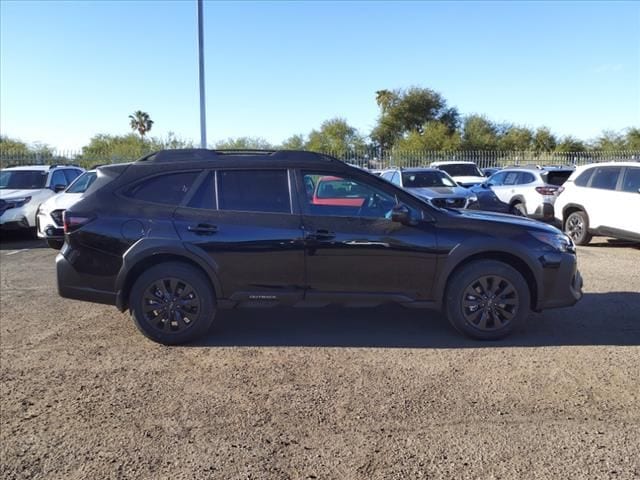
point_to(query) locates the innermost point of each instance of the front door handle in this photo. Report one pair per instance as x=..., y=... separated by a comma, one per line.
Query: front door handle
x=321, y=235
x=203, y=229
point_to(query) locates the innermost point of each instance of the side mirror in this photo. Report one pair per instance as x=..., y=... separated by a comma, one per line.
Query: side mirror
x=401, y=214
x=59, y=187
x=485, y=185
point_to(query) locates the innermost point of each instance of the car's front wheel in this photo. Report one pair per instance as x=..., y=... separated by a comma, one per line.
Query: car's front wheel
x=577, y=227
x=172, y=303
x=487, y=300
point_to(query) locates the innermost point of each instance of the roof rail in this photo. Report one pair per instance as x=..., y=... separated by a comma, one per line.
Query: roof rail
x=196, y=154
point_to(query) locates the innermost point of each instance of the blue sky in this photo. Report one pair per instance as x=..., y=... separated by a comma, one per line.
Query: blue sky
x=69, y=70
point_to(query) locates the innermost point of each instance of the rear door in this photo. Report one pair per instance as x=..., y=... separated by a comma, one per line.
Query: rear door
x=603, y=199
x=627, y=210
x=246, y=221
x=354, y=248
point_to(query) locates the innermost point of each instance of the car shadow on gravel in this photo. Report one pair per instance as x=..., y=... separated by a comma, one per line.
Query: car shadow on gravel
x=10, y=240
x=598, y=319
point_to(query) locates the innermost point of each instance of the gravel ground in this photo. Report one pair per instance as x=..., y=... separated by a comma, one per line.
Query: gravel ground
x=352, y=393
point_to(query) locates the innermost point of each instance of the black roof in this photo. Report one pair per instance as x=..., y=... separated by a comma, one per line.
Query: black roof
x=204, y=155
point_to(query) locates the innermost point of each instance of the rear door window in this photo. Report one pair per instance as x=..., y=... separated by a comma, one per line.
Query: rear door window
x=584, y=177
x=605, y=178
x=254, y=191
x=525, y=178
x=631, y=181
x=511, y=178
x=169, y=189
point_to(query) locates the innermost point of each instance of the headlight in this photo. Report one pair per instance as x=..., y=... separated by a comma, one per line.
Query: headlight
x=18, y=202
x=558, y=241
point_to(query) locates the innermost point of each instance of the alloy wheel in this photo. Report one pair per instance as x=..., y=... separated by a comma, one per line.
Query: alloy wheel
x=170, y=305
x=575, y=227
x=490, y=302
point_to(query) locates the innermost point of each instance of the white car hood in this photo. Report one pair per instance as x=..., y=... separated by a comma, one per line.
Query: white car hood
x=470, y=179
x=8, y=193
x=61, y=201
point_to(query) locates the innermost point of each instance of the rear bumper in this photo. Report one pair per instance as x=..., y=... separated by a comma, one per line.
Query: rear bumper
x=544, y=211
x=562, y=282
x=72, y=285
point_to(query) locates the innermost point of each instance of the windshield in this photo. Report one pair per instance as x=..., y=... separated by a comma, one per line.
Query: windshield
x=23, y=179
x=461, y=170
x=426, y=179
x=81, y=183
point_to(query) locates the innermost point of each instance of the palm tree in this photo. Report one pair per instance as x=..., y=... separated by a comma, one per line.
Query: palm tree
x=140, y=122
x=384, y=99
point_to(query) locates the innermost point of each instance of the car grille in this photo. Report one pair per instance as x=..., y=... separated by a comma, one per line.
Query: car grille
x=453, y=202
x=57, y=217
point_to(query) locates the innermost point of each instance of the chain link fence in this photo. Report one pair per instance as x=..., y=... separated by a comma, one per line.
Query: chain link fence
x=373, y=158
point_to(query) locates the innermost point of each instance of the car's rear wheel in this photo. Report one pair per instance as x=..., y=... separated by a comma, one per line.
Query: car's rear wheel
x=55, y=244
x=172, y=303
x=577, y=227
x=487, y=300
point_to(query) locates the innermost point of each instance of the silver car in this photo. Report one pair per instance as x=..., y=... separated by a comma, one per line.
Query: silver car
x=432, y=184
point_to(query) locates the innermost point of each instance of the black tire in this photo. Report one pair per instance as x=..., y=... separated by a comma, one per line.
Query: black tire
x=518, y=209
x=55, y=244
x=576, y=226
x=185, y=300
x=505, y=302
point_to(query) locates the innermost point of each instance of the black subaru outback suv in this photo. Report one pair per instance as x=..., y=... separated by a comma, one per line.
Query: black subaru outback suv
x=179, y=234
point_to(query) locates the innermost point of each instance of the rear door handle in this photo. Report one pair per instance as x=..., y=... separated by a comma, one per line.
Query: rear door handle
x=321, y=235
x=203, y=229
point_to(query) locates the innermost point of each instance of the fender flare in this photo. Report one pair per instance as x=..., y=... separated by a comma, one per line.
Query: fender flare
x=495, y=248
x=148, y=249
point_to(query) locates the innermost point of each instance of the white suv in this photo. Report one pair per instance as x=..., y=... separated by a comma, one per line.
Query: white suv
x=601, y=199
x=529, y=191
x=466, y=174
x=23, y=189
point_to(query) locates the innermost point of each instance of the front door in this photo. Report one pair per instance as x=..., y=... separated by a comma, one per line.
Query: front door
x=353, y=246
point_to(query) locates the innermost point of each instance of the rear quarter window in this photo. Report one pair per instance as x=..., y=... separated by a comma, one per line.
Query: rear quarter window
x=168, y=189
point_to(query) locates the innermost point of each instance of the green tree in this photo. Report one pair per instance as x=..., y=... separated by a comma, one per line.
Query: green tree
x=140, y=122
x=632, y=138
x=295, y=142
x=435, y=136
x=544, y=140
x=336, y=137
x=515, y=138
x=405, y=111
x=479, y=133
x=244, y=143
x=610, y=141
x=13, y=145
x=570, y=144
x=104, y=148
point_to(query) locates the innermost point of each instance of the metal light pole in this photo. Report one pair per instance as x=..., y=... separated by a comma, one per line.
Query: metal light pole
x=203, y=115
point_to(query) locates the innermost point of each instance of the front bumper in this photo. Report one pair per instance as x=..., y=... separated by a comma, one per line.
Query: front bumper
x=15, y=219
x=47, y=228
x=72, y=285
x=561, y=281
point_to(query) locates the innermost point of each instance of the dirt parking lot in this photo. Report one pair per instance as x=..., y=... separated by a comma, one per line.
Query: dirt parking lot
x=354, y=393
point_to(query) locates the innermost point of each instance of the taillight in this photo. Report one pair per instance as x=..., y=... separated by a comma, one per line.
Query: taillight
x=547, y=190
x=73, y=222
